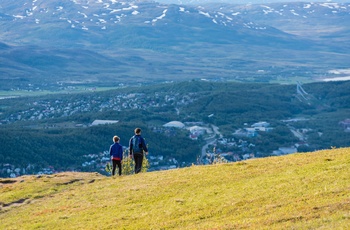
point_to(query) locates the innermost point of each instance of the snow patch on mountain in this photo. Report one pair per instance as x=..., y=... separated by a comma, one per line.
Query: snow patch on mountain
x=330, y=5
x=307, y=6
x=112, y=12
x=205, y=14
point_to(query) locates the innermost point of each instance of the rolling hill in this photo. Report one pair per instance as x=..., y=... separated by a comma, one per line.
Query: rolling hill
x=299, y=191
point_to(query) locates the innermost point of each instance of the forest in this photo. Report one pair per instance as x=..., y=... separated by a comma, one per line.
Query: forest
x=55, y=130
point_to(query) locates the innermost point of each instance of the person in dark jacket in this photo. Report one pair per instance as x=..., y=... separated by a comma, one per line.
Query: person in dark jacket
x=116, y=153
x=137, y=149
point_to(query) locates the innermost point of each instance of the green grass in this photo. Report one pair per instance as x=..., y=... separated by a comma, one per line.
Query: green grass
x=299, y=191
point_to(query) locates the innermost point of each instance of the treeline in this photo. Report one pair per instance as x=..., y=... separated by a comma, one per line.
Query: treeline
x=64, y=148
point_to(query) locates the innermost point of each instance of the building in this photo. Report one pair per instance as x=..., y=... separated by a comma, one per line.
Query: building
x=197, y=130
x=284, y=151
x=174, y=124
x=260, y=124
x=103, y=122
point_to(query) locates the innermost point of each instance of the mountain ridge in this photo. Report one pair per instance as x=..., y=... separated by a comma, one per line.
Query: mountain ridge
x=169, y=42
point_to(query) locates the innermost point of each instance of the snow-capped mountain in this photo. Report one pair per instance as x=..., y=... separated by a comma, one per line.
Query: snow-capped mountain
x=113, y=41
x=67, y=18
x=308, y=19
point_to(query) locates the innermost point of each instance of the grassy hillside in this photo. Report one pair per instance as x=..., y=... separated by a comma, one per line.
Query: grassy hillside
x=299, y=191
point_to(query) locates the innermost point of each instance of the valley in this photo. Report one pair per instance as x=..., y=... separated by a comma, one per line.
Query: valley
x=252, y=121
x=66, y=65
x=245, y=110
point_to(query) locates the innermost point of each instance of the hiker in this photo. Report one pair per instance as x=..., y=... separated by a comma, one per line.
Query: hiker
x=116, y=153
x=137, y=147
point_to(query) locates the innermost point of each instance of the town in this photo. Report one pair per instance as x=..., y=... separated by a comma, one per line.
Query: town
x=211, y=152
x=238, y=146
x=57, y=108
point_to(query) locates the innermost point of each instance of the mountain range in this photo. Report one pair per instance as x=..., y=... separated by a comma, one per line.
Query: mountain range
x=111, y=42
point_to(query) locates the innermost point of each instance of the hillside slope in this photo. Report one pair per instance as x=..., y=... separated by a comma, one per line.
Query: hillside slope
x=300, y=191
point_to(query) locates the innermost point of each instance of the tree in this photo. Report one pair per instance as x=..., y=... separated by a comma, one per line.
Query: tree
x=128, y=164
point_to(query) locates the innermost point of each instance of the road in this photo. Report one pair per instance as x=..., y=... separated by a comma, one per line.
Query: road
x=211, y=140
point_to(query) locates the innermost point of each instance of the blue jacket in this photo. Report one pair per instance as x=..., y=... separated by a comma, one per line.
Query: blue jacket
x=116, y=151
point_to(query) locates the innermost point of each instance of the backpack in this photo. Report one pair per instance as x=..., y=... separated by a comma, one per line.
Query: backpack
x=137, y=144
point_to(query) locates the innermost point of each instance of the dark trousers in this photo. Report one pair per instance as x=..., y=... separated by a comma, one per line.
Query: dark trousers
x=138, y=158
x=115, y=164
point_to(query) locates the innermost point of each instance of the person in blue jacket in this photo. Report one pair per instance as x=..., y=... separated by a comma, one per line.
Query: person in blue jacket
x=137, y=147
x=116, y=153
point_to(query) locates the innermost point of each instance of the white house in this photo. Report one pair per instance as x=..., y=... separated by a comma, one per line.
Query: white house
x=103, y=122
x=197, y=130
